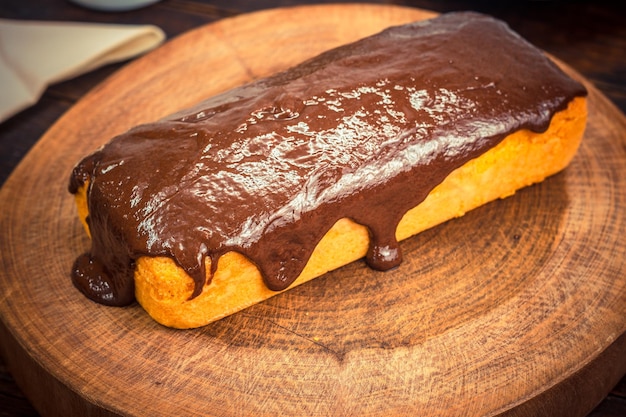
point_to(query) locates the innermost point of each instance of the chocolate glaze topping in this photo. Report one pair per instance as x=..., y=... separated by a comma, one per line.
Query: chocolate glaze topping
x=364, y=131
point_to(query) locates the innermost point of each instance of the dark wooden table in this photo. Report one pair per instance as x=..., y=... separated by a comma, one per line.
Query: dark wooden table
x=590, y=37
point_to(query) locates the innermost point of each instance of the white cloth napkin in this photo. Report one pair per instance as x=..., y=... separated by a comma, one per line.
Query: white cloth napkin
x=35, y=54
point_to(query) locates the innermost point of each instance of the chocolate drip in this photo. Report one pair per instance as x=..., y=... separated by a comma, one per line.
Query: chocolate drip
x=364, y=131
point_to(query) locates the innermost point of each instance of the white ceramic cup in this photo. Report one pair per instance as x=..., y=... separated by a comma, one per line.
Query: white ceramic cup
x=114, y=5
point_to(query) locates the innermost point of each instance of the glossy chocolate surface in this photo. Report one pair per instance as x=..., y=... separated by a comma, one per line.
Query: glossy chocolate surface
x=364, y=131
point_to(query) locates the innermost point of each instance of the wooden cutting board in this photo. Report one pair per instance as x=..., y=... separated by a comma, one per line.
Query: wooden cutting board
x=505, y=311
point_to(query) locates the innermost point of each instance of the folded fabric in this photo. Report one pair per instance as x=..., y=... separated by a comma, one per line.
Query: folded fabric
x=35, y=54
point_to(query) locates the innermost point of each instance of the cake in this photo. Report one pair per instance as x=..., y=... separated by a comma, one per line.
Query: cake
x=276, y=182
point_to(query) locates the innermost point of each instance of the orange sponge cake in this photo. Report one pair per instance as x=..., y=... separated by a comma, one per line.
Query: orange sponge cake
x=261, y=188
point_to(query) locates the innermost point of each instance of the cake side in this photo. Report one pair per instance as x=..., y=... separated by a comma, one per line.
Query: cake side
x=523, y=158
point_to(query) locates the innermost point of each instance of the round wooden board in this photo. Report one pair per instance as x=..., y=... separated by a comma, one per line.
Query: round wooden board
x=489, y=313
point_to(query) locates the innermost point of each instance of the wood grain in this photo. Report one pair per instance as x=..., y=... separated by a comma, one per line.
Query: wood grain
x=488, y=313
